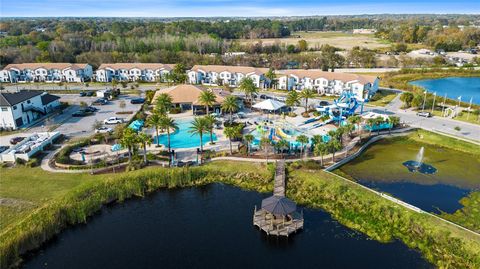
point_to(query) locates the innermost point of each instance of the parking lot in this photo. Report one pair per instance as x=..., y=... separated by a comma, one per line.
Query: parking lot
x=74, y=127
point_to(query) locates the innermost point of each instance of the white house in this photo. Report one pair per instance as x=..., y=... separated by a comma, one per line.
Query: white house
x=215, y=75
x=46, y=72
x=23, y=107
x=150, y=72
x=329, y=83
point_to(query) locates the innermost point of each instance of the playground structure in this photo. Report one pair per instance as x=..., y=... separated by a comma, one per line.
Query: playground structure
x=342, y=108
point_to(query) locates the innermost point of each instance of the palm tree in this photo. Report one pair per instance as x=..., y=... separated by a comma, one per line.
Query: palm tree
x=199, y=127
x=144, y=139
x=355, y=120
x=128, y=140
x=282, y=145
x=302, y=139
x=231, y=133
x=210, y=122
x=293, y=99
x=265, y=144
x=321, y=149
x=371, y=123
x=348, y=128
x=270, y=75
x=248, y=138
x=379, y=121
x=230, y=105
x=394, y=121
x=155, y=121
x=167, y=124
x=307, y=94
x=334, y=145
x=248, y=86
x=164, y=103
x=208, y=99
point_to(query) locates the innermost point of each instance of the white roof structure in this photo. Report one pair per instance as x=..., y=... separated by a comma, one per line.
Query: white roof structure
x=269, y=104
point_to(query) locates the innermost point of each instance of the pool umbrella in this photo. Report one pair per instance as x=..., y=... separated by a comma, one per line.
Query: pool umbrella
x=278, y=205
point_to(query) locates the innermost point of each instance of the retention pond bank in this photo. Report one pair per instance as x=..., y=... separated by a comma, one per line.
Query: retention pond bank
x=210, y=227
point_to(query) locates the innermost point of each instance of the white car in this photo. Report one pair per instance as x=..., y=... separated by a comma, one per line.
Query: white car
x=113, y=120
x=103, y=130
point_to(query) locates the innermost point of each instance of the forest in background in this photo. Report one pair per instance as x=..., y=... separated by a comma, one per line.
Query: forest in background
x=204, y=41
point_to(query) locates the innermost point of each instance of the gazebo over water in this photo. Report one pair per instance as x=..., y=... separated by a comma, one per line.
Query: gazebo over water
x=278, y=214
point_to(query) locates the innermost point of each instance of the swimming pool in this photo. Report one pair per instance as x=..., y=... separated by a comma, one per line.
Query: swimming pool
x=181, y=138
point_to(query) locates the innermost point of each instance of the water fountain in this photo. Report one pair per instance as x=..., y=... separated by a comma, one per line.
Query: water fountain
x=418, y=165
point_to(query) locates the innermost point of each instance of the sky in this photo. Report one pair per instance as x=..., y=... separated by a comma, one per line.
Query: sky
x=225, y=8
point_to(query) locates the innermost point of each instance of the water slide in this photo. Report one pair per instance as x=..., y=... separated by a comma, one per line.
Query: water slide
x=282, y=134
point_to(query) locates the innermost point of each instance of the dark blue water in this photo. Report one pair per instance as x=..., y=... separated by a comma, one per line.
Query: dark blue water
x=211, y=227
x=425, y=197
x=454, y=87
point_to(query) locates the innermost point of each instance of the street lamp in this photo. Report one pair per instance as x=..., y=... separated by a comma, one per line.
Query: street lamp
x=433, y=105
x=424, y=99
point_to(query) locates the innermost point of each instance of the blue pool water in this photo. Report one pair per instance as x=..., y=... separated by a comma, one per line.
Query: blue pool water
x=453, y=87
x=181, y=138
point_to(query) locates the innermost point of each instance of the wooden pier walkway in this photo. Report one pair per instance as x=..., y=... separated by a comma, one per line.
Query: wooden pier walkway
x=278, y=225
x=279, y=182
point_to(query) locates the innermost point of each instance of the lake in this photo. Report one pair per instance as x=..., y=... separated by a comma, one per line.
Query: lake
x=380, y=167
x=211, y=227
x=453, y=87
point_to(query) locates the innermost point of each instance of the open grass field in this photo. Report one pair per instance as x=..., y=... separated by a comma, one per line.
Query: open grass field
x=24, y=189
x=316, y=39
x=382, y=98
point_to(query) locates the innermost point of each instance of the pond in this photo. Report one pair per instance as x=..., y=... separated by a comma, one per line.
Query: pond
x=211, y=227
x=182, y=138
x=381, y=167
x=454, y=87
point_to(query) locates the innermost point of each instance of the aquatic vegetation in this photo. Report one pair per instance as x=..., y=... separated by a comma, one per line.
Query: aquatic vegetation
x=469, y=215
x=442, y=244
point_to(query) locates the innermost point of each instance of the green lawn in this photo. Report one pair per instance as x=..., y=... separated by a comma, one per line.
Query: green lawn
x=475, y=119
x=23, y=189
x=382, y=98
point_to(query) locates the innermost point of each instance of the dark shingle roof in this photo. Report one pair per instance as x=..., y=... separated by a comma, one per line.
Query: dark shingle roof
x=13, y=98
x=48, y=98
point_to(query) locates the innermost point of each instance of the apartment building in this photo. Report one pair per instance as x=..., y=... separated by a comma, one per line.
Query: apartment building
x=149, y=72
x=46, y=72
x=215, y=75
x=330, y=83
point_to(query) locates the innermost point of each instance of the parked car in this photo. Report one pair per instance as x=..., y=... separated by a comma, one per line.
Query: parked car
x=3, y=148
x=100, y=101
x=103, y=130
x=82, y=94
x=424, y=114
x=16, y=140
x=91, y=109
x=81, y=113
x=137, y=101
x=113, y=120
x=90, y=93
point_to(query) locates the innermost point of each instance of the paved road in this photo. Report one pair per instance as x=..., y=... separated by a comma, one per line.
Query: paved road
x=78, y=127
x=445, y=125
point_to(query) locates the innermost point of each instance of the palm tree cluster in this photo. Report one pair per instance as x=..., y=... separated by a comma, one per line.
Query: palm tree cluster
x=131, y=139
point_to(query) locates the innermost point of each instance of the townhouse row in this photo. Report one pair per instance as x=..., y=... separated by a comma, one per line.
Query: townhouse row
x=331, y=83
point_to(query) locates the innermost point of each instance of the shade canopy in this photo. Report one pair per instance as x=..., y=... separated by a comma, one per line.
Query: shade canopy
x=116, y=147
x=279, y=205
x=269, y=104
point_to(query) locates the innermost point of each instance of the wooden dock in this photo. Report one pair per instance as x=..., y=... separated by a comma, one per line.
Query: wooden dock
x=278, y=225
x=279, y=183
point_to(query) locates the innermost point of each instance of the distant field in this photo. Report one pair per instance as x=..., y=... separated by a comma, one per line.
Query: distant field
x=316, y=39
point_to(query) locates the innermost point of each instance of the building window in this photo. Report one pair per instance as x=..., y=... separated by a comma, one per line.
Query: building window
x=4, y=109
x=14, y=107
x=28, y=101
